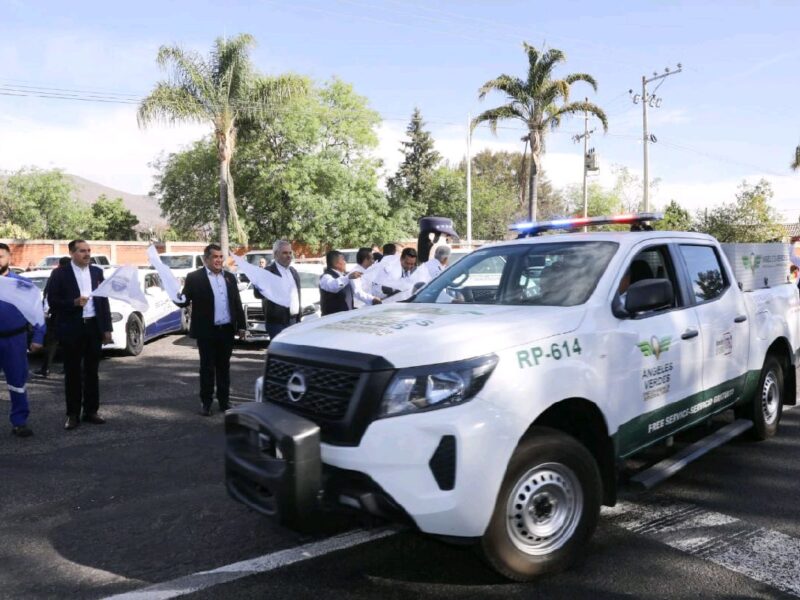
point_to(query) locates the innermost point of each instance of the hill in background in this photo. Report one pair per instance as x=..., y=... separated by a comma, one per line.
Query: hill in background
x=145, y=208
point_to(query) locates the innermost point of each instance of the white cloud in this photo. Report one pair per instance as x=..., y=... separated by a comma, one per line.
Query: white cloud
x=105, y=146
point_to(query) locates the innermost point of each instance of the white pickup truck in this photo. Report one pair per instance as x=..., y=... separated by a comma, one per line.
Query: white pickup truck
x=498, y=403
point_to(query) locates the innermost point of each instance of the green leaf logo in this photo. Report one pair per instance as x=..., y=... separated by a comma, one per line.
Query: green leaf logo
x=655, y=346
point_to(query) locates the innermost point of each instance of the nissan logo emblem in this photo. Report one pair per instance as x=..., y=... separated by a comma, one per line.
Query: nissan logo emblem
x=296, y=386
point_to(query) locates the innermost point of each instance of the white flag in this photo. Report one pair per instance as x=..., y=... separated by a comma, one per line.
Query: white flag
x=168, y=279
x=270, y=285
x=25, y=297
x=124, y=285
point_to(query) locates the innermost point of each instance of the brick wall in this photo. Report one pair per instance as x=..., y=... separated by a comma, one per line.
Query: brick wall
x=24, y=252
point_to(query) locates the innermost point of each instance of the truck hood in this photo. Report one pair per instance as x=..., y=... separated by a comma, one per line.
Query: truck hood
x=410, y=334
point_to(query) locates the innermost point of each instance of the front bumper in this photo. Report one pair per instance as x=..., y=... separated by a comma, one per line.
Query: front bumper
x=273, y=464
x=439, y=470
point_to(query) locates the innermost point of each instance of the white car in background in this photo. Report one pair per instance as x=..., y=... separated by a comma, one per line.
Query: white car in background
x=309, y=294
x=51, y=262
x=132, y=328
x=182, y=263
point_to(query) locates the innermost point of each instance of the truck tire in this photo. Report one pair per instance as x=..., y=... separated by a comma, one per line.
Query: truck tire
x=547, y=507
x=767, y=405
x=134, y=335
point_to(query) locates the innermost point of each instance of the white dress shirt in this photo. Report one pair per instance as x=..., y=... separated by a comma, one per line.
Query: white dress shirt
x=84, y=278
x=360, y=297
x=290, y=288
x=222, y=313
x=331, y=284
x=434, y=267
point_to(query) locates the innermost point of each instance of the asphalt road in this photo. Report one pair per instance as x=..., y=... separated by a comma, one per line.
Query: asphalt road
x=139, y=501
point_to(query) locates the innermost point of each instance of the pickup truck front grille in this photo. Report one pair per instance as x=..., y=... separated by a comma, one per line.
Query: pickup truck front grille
x=327, y=391
x=340, y=391
x=254, y=314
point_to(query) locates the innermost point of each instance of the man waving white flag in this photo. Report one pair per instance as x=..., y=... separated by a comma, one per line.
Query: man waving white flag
x=25, y=297
x=124, y=285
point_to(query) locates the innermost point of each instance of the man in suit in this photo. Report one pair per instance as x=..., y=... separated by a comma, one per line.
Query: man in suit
x=338, y=289
x=279, y=316
x=217, y=315
x=83, y=325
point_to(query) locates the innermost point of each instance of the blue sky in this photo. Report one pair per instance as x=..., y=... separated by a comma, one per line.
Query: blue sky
x=730, y=115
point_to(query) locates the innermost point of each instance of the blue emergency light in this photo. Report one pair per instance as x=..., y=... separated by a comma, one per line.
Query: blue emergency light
x=531, y=229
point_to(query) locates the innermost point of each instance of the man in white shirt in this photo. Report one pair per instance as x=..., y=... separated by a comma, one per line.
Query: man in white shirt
x=364, y=260
x=336, y=293
x=282, y=308
x=84, y=324
x=439, y=262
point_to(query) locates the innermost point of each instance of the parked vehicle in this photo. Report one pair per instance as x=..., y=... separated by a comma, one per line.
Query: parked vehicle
x=133, y=328
x=255, y=255
x=51, y=262
x=182, y=263
x=495, y=406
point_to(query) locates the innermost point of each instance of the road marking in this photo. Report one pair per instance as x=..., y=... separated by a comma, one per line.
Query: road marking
x=262, y=564
x=769, y=557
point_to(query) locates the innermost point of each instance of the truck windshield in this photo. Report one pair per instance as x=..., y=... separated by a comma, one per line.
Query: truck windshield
x=556, y=274
x=178, y=261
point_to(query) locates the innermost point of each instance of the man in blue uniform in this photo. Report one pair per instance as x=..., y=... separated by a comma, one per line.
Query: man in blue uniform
x=14, y=352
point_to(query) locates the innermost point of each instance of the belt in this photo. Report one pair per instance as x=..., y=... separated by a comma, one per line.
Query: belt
x=223, y=325
x=13, y=332
x=88, y=319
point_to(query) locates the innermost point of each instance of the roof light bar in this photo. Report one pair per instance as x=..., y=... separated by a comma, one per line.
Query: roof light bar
x=535, y=228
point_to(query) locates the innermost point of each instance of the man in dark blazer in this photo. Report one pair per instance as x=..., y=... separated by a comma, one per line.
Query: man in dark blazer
x=83, y=325
x=217, y=315
x=278, y=317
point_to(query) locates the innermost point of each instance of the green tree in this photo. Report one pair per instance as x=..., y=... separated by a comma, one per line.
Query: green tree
x=507, y=171
x=796, y=161
x=676, y=218
x=749, y=219
x=42, y=204
x=223, y=90
x=540, y=102
x=303, y=173
x=112, y=221
x=409, y=186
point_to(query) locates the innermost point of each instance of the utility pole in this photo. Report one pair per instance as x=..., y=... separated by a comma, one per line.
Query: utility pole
x=654, y=102
x=586, y=159
x=469, y=181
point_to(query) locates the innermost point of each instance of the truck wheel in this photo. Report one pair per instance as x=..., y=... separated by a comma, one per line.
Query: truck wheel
x=767, y=406
x=547, y=507
x=134, y=335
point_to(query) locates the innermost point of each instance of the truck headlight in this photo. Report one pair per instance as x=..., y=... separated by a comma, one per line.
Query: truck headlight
x=438, y=386
x=116, y=317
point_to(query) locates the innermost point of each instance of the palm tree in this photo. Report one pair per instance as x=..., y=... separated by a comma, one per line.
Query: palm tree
x=538, y=101
x=796, y=162
x=223, y=90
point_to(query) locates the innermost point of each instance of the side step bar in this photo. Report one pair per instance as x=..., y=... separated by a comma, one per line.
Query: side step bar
x=669, y=466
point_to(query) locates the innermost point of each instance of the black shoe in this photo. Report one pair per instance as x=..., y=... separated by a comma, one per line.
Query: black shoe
x=205, y=411
x=224, y=407
x=43, y=373
x=94, y=419
x=72, y=423
x=22, y=431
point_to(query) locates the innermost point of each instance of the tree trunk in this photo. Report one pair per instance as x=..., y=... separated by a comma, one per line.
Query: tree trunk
x=224, y=165
x=533, y=177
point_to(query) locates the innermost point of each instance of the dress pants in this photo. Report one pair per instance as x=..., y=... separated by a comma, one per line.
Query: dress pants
x=215, y=364
x=274, y=329
x=81, y=360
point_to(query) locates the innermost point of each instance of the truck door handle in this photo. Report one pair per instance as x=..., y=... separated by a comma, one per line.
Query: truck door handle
x=740, y=319
x=689, y=334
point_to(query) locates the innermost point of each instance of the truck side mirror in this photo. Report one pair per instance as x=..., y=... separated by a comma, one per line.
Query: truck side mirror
x=649, y=294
